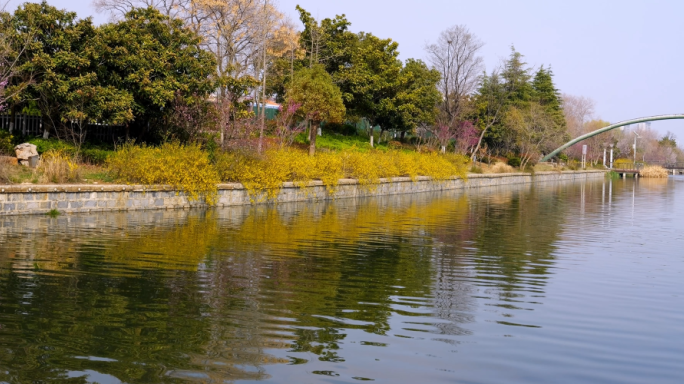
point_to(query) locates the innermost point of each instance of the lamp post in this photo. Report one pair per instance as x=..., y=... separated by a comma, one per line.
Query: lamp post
x=611, y=156
x=604, y=156
x=636, y=136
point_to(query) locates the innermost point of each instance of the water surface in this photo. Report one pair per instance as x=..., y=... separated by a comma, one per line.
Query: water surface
x=560, y=282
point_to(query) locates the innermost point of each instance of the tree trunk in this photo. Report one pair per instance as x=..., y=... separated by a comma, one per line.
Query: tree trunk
x=312, y=138
x=479, y=142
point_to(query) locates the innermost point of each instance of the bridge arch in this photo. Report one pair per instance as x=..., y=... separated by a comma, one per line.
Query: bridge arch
x=608, y=128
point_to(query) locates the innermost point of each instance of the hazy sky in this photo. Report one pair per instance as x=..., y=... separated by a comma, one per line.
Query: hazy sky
x=626, y=55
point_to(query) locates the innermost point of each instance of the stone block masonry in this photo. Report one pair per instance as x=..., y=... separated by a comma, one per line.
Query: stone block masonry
x=27, y=199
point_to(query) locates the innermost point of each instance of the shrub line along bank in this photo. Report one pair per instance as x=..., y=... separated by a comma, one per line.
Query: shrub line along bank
x=41, y=199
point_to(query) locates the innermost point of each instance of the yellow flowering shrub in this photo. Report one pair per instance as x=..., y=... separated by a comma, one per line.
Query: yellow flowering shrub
x=185, y=167
x=189, y=168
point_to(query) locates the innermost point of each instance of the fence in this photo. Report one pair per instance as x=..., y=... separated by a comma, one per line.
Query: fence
x=27, y=125
x=32, y=126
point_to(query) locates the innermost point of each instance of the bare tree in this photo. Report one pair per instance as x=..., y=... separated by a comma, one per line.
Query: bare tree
x=118, y=8
x=578, y=111
x=454, y=55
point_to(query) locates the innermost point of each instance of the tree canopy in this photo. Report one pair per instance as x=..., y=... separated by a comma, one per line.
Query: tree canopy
x=318, y=99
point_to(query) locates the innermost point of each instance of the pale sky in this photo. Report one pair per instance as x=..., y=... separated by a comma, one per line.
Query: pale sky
x=626, y=55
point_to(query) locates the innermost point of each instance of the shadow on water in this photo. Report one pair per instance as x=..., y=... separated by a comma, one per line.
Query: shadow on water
x=222, y=295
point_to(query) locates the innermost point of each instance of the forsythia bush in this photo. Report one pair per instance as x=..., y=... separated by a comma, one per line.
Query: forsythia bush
x=263, y=175
x=186, y=167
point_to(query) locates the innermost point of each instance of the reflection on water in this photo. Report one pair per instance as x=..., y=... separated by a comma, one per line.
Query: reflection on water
x=575, y=281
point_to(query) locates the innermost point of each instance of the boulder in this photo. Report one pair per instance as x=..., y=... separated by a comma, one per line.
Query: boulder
x=24, y=152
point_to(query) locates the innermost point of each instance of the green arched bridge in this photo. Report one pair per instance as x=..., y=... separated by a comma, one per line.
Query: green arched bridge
x=608, y=128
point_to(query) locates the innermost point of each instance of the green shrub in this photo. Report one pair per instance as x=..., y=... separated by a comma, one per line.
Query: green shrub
x=345, y=129
x=514, y=161
x=95, y=155
x=6, y=143
x=45, y=145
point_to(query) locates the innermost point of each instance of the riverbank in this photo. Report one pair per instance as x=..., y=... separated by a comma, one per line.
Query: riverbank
x=29, y=199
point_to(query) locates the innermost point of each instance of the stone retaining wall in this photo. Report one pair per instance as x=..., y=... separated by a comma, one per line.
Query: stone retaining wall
x=28, y=199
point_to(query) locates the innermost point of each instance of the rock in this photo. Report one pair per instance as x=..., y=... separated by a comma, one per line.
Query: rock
x=24, y=152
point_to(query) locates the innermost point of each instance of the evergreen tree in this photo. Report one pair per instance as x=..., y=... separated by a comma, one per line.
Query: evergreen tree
x=548, y=96
x=516, y=77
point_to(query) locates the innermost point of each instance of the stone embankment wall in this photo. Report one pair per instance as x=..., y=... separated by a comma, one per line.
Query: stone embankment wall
x=27, y=199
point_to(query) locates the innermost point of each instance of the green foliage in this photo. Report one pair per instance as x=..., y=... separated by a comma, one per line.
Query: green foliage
x=374, y=83
x=152, y=58
x=522, y=114
x=369, y=81
x=88, y=153
x=342, y=143
x=126, y=72
x=516, y=76
x=346, y=129
x=669, y=140
x=57, y=68
x=417, y=96
x=548, y=96
x=328, y=43
x=54, y=213
x=319, y=98
x=514, y=161
x=44, y=145
x=6, y=143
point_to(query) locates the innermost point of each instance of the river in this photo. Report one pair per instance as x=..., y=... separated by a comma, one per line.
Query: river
x=562, y=282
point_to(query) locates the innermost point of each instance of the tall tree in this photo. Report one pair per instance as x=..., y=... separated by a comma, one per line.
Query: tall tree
x=548, y=96
x=328, y=42
x=62, y=63
x=455, y=56
x=490, y=106
x=319, y=100
x=153, y=58
x=516, y=77
x=118, y=9
x=417, y=96
x=370, y=81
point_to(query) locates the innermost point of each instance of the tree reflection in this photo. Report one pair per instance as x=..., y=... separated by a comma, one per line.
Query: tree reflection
x=210, y=296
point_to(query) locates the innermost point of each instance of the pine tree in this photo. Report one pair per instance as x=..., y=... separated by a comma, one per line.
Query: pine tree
x=517, y=78
x=548, y=96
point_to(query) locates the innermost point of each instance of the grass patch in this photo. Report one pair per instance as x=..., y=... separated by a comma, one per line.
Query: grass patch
x=17, y=174
x=96, y=174
x=53, y=213
x=613, y=175
x=338, y=142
